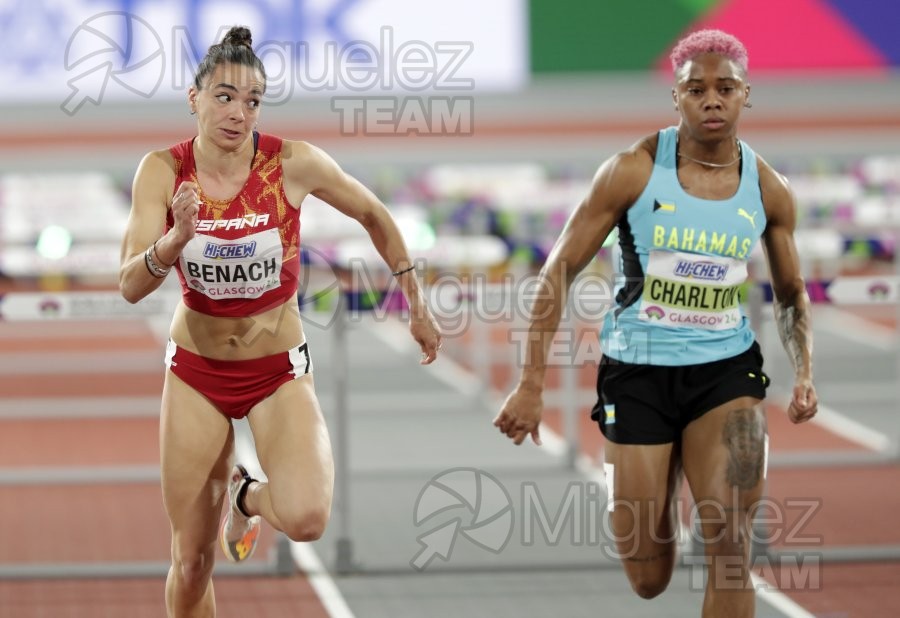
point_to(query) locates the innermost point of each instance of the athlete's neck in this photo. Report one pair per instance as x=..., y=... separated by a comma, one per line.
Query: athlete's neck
x=718, y=153
x=218, y=161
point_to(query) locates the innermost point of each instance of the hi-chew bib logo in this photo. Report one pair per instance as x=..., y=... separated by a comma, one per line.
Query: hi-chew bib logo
x=230, y=251
x=701, y=270
x=247, y=268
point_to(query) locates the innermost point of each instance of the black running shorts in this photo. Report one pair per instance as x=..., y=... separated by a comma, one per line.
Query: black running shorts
x=652, y=404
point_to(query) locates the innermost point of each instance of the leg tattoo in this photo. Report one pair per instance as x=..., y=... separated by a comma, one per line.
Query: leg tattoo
x=651, y=558
x=744, y=436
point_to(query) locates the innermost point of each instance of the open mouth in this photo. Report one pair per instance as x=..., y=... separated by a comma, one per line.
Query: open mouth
x=230, y=133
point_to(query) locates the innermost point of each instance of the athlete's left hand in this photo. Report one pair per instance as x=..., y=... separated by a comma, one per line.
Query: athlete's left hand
x=424, y=329
x=804, y=403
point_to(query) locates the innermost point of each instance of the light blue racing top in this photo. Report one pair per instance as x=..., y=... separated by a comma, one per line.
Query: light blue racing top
x=682, y=261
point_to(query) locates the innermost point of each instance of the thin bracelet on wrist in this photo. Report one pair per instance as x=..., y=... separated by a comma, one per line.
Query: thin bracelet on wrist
x=159, y=259
x=405, y=270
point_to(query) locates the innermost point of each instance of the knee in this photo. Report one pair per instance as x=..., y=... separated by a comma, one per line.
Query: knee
x=194, y=570
x=649, y=576
x=727, y=540
x=648, y=585
x=306, y=525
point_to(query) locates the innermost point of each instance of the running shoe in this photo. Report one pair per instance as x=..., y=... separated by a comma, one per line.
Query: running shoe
x=238, y=534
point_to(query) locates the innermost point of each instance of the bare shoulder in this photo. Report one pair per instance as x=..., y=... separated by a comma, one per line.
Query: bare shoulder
x=295, y=149
x=624, y=176
x=298, y=153
x=636, y=162
x=770, y=181
x=158, y=163
x=155, y=177
x=646, y=148
x=307, y=169
x=302, y=159
x=777, y=197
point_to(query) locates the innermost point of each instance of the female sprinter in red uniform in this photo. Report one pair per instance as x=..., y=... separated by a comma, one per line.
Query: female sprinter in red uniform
x=223, y=209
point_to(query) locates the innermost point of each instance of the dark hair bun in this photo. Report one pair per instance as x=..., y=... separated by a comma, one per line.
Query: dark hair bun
x=235, y=48
x=238, y=35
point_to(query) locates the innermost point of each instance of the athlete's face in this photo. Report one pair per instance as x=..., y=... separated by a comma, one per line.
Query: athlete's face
x=228, y=105
x=710, y=91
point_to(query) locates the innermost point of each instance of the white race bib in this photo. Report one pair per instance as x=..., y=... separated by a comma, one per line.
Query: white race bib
x=692, y=291
x=243, y=268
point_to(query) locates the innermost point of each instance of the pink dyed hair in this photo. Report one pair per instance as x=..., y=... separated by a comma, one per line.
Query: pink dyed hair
x=709, y=41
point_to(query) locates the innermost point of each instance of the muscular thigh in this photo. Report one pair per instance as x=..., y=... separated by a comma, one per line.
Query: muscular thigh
x=724, y=456
x=196, y=443
x=645, y=482
x=293, y=445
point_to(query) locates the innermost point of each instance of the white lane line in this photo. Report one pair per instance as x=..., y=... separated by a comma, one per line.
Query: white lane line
x=44, y=408
x=67, y=363
x=78, y=475
x=851, y=429
x=303, y=553
x=854, y=328
x=317, y=575
x=778, y=600
x=844, y=426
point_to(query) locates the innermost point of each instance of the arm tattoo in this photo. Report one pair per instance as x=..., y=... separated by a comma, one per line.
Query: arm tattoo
x=794, y=329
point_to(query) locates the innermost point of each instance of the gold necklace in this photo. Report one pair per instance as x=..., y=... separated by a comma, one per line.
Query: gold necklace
x=708, y=164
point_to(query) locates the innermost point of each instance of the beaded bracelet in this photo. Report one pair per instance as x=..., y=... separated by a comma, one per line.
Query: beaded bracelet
x=152, y=266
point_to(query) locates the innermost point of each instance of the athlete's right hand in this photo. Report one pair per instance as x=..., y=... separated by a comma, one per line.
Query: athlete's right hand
x=521, y=415
x=185, y=208
x=804, y=403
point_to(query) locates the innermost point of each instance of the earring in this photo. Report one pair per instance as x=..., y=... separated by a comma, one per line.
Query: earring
x=193, y=111
x=748, y=104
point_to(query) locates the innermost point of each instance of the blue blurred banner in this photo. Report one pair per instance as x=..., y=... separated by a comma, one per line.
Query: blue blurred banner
x=84, y=51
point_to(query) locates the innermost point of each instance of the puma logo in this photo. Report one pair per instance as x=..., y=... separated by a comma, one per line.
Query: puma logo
x=751, y=218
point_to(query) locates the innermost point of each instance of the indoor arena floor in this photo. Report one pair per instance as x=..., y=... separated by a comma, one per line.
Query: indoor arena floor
x=79, y=487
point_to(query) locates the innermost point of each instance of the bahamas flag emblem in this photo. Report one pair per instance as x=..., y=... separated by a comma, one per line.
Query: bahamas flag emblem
x=610, y=410
x=664, y=207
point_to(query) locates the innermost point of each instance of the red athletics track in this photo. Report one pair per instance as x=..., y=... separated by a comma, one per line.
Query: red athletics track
x=836, y=506
x=47, y=368
x=55, y=365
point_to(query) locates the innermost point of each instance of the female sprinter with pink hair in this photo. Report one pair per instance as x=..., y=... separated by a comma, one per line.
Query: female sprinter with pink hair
x=680, y=385
x=223, y=209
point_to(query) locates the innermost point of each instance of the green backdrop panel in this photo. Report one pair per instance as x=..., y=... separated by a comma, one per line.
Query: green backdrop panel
x=603, y=35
